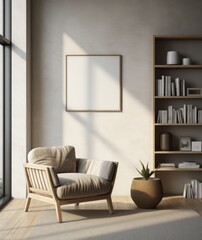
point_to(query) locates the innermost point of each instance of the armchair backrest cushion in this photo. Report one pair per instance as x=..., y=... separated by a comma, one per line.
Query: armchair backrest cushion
x=103, y=169
x=61, y=158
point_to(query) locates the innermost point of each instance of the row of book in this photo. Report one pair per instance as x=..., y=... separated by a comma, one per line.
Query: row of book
x=189, y=164
x=187, y=114
x=193, y=189
x=167, y=87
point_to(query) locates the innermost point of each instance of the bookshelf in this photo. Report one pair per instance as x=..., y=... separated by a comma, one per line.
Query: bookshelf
x=180, y=122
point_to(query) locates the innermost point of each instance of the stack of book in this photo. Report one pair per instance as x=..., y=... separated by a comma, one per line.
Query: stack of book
x=188, y=165
x=193, y=189
x=166, y=165
x=187, y=114
x=167, y=87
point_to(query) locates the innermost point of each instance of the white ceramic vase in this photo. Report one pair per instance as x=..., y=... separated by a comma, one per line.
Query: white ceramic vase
x=173, y=57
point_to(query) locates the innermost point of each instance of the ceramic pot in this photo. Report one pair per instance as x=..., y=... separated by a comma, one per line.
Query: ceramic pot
x=186, y=61
x=165, y=141
x=173, y=57
x=146, y=193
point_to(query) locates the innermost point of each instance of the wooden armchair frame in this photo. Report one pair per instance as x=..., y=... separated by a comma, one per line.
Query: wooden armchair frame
x=40, y=187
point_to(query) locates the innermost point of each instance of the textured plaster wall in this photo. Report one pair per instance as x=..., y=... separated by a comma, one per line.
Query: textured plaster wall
x=100, y=26
x=21, y=93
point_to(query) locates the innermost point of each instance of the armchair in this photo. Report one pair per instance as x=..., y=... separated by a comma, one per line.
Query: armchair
x=56, y=176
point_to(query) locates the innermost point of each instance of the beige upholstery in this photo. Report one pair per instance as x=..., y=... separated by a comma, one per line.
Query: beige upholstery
x=54, y=175
x=81, y=185
x=103, y=169
x=61, y=158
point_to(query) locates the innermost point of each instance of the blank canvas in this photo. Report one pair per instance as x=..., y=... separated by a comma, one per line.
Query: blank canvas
x=93, y=83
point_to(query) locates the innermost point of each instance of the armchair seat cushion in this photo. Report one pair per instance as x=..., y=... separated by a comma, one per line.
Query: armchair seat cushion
x=80, y=185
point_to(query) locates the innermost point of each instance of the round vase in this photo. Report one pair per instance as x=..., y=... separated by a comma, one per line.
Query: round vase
x=165, y=141
x=146, y=193
x=173, y=57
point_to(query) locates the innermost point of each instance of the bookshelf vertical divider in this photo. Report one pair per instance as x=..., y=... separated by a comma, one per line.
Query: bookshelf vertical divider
x=176, y=113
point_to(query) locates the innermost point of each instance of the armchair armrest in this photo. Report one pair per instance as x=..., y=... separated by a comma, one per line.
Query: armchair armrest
x=41, y=177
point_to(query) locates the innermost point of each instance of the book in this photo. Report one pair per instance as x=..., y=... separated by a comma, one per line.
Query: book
x=163, y=86
x=177, y=86
x=194, y=185
x=170, y=114
x=182, y=88
x=159, y=89
x=189, y=114
x=172, y=89
x=200, y=190
x=185, y=113
x=188, y=165
x=200, y=116
x=166, y=165
x=194, y=117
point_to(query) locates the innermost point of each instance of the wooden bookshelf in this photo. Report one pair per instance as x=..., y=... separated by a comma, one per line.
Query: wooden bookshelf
x=173, y=179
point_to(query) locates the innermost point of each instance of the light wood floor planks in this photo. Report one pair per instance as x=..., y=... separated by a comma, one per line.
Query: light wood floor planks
x=15, y=224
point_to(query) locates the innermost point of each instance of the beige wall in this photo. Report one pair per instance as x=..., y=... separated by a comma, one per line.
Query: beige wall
x=97, y=26
x=20, y=93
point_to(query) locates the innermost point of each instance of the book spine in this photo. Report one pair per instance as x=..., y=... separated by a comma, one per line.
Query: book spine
x=177, y=86
x=163, y=86
x=159, y=90
x=172, y=89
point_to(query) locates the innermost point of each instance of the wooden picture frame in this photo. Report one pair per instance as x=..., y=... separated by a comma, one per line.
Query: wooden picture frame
x=185, y=143
x=94, y=83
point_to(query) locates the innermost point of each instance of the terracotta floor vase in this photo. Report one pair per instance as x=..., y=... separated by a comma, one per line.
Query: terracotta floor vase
x=146, y=193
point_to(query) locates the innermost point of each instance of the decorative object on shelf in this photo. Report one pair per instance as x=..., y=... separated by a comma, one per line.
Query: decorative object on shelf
x=146, y=192
x=166, y=141
x=186, y=61
x=196, y=146
x=173, y=57
x=185, y=144
x=194, y=91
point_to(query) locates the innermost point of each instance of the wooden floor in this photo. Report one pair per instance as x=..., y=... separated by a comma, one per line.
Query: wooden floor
x=15, y=223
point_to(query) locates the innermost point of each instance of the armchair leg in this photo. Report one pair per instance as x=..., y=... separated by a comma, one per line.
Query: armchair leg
x=58, y=212
x=27, y=203
x=110, y=205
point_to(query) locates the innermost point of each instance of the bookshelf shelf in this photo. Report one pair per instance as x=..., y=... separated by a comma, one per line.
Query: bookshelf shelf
x=184, y=113
x=178, y=37
x=178, y=152
x=177, y=125
x=198, y=66
x=178, y=97
x=178, y=170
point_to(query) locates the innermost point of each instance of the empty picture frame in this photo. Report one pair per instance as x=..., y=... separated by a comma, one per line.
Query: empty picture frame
x=93, y=83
